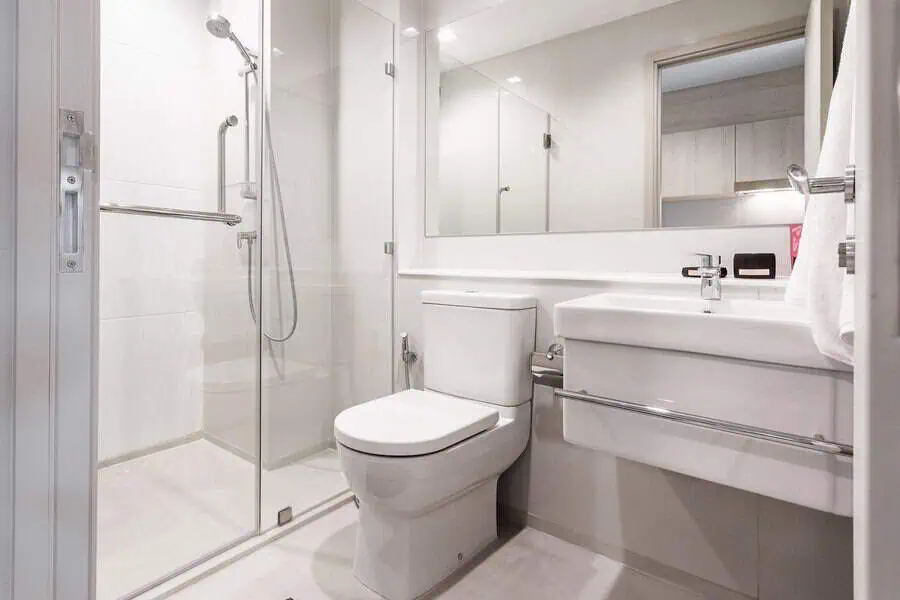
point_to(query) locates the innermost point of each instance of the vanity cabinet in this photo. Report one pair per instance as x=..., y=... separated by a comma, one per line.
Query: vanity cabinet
x=740, y=397
x=698, y=163
x=764, y=149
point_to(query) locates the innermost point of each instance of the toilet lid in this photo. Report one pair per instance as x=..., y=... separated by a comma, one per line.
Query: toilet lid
x=411, y=423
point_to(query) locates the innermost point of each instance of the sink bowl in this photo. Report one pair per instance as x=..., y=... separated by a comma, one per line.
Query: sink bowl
x=757, y=330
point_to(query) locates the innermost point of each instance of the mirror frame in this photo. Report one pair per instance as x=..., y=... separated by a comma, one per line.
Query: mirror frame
x=733, y=42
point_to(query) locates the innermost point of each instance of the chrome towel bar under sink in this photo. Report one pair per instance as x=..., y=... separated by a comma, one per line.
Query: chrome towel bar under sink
x=814, y=444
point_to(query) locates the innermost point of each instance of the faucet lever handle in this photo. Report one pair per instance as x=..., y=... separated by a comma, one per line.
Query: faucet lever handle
x=706, y=259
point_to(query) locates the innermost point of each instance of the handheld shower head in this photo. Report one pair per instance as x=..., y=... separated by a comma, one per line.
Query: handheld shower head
x=799, y=179
x=219, y=26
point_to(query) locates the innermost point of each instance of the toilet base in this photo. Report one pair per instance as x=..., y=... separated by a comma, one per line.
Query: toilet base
x=402, y=557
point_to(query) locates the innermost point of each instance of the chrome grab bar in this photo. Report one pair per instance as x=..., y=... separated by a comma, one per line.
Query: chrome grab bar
x=172, y=213
x=229, y=122
x=814, y=444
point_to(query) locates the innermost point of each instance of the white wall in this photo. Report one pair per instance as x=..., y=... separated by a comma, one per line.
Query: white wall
x=7, y=281
x=622, y=118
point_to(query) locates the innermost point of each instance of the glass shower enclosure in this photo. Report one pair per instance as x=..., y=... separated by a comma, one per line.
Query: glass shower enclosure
x=246, y=192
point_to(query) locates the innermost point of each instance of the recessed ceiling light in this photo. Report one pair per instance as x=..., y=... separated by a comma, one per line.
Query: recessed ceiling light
x=410, y=32
x=445, y=34
x=514, y=79
x=277, y=51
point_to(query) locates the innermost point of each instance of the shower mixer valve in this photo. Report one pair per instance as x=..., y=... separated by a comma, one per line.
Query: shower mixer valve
x=246, y=236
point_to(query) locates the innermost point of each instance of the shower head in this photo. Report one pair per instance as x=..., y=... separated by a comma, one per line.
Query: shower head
x=219, y=26
x=799, y=179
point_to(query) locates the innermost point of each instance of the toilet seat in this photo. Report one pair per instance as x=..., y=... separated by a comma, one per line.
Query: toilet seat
x=412, y=423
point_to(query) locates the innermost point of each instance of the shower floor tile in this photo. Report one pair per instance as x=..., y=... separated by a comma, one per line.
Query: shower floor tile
x=162, y=511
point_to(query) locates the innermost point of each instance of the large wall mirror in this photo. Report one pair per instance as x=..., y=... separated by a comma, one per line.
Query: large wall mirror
x=590, y=115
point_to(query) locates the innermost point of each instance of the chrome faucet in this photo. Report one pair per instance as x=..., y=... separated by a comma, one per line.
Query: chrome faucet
x=710, y=278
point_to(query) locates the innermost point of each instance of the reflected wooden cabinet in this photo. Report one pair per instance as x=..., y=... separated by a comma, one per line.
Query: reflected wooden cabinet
x=706, y=163
x=763, y=150
x=698, y=163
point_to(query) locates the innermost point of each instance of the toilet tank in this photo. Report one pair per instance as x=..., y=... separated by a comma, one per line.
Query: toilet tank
x=478, y=345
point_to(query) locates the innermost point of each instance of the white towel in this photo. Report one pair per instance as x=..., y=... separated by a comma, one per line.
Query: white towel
x=817, y=282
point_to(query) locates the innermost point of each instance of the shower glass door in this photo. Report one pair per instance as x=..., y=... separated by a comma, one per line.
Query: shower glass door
x=179, y=349
x=327, y=212
x=246, y=192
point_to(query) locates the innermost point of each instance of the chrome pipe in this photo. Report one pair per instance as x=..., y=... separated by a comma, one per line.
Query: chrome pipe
x=230, y=121
x=172, y=213
x=813, y=444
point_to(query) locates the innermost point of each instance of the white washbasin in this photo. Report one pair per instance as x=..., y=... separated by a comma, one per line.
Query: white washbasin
x=758, y=330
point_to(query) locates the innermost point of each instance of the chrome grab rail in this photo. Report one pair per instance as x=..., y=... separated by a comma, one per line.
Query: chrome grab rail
x=172, y=213
x=814, y=444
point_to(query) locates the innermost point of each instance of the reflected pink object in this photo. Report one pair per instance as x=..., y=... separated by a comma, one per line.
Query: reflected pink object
x=796, y=232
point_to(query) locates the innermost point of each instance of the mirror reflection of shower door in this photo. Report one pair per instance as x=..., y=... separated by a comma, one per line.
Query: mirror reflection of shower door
x=177, y=408
x=330, y=141
x=523, y=166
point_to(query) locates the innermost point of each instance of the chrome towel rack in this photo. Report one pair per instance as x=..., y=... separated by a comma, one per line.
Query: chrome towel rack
x=803, y=183
x=547, y=369
x=814, y=444
x=172, y=213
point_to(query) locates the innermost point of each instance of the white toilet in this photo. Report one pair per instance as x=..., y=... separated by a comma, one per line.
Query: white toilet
x=425, y=464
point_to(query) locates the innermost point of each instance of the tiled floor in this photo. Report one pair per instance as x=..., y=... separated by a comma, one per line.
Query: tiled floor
x=316, y=563
x=159, y=512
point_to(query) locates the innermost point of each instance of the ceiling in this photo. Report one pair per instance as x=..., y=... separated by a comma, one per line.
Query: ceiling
x=488, y=28
x=725, y=67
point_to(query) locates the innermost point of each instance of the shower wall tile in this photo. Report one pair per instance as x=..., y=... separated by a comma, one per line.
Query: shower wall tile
x=301, y=125
x=150, y=266
x=150, y=381
x=172, y=29
x=154, y=120
x=157, y=148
